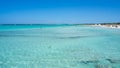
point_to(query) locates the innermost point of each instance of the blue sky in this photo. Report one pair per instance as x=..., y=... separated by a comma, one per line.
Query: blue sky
x=59, y=11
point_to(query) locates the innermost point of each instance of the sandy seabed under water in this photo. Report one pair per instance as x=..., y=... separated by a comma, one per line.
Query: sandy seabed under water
x=60, y=47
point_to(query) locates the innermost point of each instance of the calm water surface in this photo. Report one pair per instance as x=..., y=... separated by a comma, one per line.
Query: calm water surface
x=60, y=46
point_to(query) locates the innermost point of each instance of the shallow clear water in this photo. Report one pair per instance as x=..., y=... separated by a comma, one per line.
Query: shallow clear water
x=59, y=47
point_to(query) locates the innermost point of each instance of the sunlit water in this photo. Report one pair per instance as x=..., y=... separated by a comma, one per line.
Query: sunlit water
x=59, y=47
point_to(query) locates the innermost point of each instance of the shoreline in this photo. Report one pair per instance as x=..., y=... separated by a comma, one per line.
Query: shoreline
x=114, y=26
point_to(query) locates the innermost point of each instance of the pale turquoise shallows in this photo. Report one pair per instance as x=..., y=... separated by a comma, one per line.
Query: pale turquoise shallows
x=63, y=46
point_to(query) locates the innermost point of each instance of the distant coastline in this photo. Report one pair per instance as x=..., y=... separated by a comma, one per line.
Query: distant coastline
x=108, y=25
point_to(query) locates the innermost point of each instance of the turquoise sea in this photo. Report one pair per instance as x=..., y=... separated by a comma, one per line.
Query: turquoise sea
x=59, y=46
